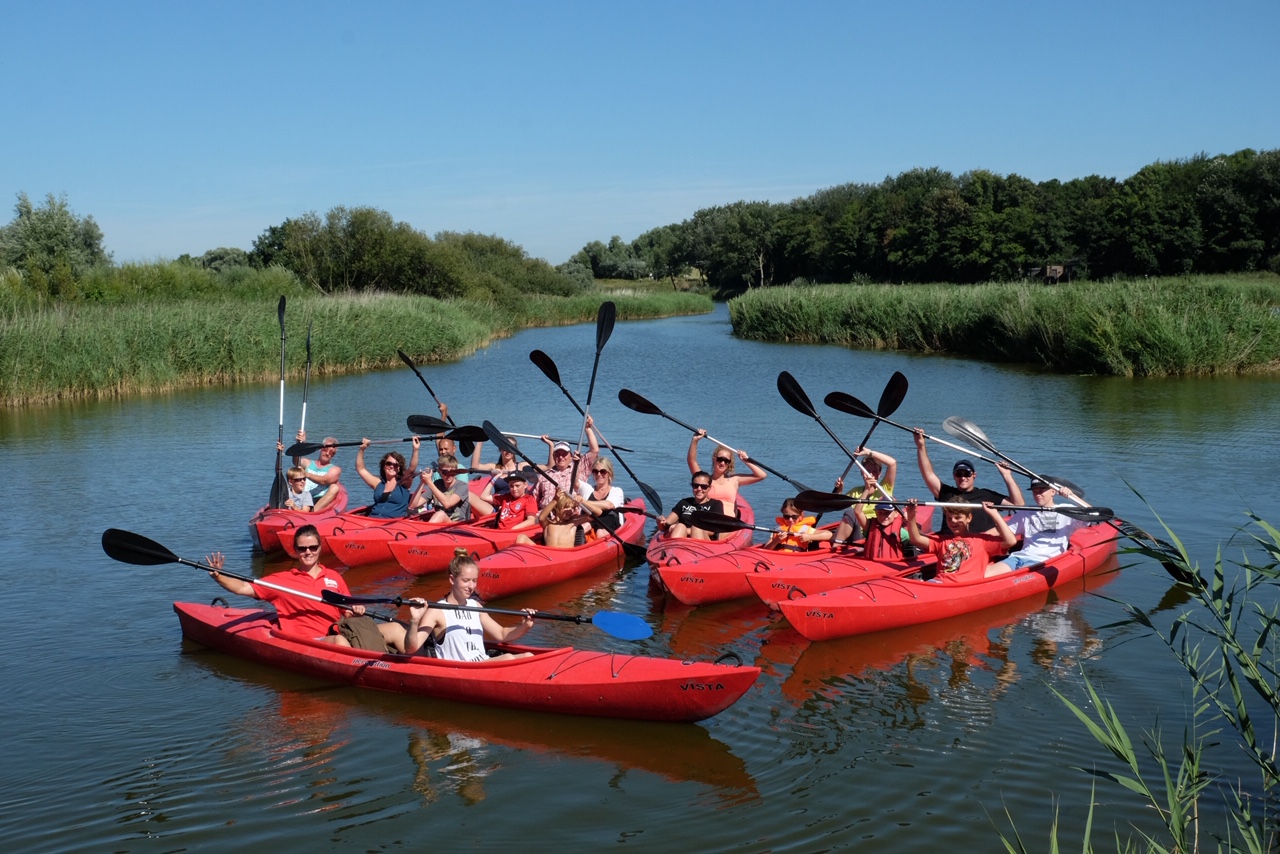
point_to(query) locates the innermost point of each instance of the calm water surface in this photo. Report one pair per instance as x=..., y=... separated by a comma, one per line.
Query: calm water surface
x=121, y=737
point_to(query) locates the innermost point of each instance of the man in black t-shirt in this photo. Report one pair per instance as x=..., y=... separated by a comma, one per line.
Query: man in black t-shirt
x=964, y=490
x=678, y=524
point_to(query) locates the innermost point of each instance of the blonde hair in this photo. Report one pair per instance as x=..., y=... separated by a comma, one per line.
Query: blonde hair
x=296, y=472
x=556, y=515
x=461, y=560
x=728, y=469
x=604, y=464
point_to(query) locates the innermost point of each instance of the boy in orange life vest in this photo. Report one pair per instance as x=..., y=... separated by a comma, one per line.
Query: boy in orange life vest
x=884, y=532
x=791, y=529
x=963, y=556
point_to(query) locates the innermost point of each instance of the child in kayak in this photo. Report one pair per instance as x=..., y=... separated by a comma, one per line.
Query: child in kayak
x=559, y=521
x=792, y=526
x=460, y=635
x=300, y=497
x=1045, y=533
x=964, y=555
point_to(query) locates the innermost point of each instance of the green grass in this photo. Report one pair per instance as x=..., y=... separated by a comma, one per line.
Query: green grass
x=50, y=351
x=1156, y=327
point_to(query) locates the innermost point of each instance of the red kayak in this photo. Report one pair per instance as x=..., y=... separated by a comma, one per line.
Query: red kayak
x=727, y=576
x=518, y=568
x=818, y=575
x=364, y=546
x=890, y=603
x=664, y=551
x=267, y=524
x=564, y=680
x=719, y=578
x=431, y=550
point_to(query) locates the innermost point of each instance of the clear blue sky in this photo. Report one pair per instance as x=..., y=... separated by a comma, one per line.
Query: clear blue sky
x=183, y=126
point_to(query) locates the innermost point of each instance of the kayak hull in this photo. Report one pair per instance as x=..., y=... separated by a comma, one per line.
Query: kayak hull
x=888, y=603
x=719, y=578
x=518, y=568
x=267, y=525
x=431, y=550
x=664, y=551
x=563, y=680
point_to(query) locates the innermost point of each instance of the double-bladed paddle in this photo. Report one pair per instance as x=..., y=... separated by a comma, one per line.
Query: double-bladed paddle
x=791, y=391
x=303, y=449
x=306, y=380
x=551, y=372
x=613, y=623
x=604, y=328
x=636, y=403
x=890, y=399
x=850, y=405
x=831, y=501
x=128, y=547
x=1173, y=559
x=280, y=489
x=465, y=445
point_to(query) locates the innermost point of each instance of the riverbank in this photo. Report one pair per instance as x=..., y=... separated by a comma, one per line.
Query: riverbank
x=1151, y=327
x=88, y=350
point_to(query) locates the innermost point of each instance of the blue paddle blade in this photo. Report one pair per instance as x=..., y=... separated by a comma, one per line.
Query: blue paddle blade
x=623, y=626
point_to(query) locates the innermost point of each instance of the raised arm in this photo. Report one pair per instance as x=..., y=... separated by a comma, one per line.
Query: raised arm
x=1015, y=494
x=757, y=474
x=926, y=468
x=406, y=477
x=918, y=539
x=692, y=457
x=889, y=475
x=1007, y=536
x=364, y=473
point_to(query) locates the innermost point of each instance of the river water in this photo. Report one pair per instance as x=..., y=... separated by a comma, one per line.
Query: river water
x=120, y=736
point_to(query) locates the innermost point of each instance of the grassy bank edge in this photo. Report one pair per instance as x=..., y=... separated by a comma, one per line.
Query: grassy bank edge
x=1198, y=325
x=84, y=351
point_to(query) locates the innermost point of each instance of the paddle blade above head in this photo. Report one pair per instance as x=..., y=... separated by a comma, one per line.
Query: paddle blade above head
x=604, y=323
x=848, y=404
x=427, y=425
x=895, y=391
x=546, y=365
x=822, y=502
x=636, y=403
x=969, y=433
x=794, y=395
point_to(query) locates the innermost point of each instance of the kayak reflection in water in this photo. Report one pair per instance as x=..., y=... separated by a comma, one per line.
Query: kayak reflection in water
x=460, y=635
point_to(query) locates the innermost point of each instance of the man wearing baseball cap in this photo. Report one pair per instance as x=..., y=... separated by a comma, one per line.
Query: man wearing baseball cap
x=965, y=489
x=560, y=466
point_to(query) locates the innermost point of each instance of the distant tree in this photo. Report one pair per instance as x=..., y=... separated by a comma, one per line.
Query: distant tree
x=664, y=251
x=52, y=240
x=222, y=258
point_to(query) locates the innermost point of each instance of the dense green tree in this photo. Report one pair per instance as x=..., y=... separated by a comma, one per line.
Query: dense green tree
x=51, y=240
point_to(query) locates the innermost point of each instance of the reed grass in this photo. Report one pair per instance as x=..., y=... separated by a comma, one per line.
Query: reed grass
x=52, y=351
x=1155, y=327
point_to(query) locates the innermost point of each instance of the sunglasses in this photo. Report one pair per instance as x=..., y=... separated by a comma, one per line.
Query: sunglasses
x=724, y=460
x=700, y=486
x=304, y=549
x=963, y=474
x=296, y=479
x=791, y=518
x=599, y=471
x=390, y=465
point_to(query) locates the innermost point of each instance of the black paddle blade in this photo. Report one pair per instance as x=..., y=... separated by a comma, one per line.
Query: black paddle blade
x=794, y=395
x=426, y=425
x=636, y=403
x=404, y=358
x=128, y=547
x=546, y=365
x=279, y=491
x=847, y=403
x=333, y=597
x=501, y=442
x=717, y=522
x=280, y=311
x=467, y=433
x=1086, y=514
x=302, y=449
x=822, y=502
x=650, y=494
x=604, y=324
x=892, y=396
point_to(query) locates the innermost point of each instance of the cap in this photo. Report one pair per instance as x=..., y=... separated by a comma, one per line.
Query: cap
x=963, y=466
x=560, y=446
x=885, y=505
x=1040, y=483
x=516, y=475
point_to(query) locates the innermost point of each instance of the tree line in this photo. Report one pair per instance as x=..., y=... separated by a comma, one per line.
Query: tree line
x=48, y=252
x=1202, y=215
